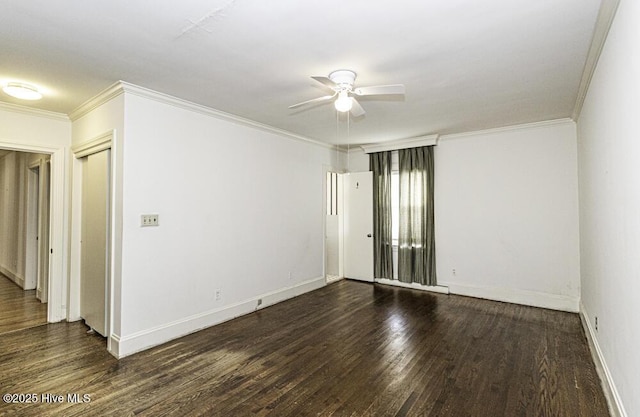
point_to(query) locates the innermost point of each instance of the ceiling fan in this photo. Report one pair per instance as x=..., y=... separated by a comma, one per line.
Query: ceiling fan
x=341, y=82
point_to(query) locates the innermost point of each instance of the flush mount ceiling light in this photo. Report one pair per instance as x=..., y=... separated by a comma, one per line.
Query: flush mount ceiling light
x=22, y=91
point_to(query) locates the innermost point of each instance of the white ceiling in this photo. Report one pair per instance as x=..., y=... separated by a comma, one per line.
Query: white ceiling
x=467, y=64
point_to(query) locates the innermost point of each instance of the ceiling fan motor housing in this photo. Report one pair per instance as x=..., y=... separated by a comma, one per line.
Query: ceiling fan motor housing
x=344, y=78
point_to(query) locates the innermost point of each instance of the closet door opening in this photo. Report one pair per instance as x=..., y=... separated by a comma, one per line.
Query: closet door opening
x=95, y=238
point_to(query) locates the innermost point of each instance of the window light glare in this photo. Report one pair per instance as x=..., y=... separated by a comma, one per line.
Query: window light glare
x=22, y=91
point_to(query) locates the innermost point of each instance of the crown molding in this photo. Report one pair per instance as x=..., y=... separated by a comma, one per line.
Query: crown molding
x=604, y=21
x=430, y=140
x=16, y=108
x=512, y=128
x=427, y=140
x=122, y=87
x=114, y=90
x=95, y=145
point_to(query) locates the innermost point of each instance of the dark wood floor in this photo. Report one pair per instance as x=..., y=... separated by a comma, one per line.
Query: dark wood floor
x=19, y=309
x=349, y=349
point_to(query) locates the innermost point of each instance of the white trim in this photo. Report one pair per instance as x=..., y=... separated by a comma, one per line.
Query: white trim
x=604, y=21
x=428, y=140
x=34, y=247
x=333, y=278
x=515, y=296
x=56, y=309
x=114, y=346
x=114, y=90
x=95, y=145
x=122, y=346
x=104, y=141
x=616, y=408
x=58, y=227
x=121, y=87
x=35, y=164
x=505, y=129
x=19, y=147
x=414, y=285
x=325, y=170
x=17, y=279
x=58, y=237
x=16, y=108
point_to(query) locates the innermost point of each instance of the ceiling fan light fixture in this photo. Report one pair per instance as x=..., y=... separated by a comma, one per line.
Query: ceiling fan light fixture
x=22, y=91
x=343, y=103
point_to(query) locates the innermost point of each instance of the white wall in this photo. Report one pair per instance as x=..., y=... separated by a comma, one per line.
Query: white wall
x=609, y=162
x=240, y=211
x=25, y=129
x=13, y=216
x=357, y=160
x=507, y=215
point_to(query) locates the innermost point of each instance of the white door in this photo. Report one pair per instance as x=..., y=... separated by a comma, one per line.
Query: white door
x=358, y=225
x=94, y=244
x=32, y=260
x=44, y=213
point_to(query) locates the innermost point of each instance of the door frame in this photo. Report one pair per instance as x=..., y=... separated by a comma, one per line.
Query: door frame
x=57, y=291
x=38, y=227
x=100, y=143
x=325, y=170
x=351, y=242
x=33, y=248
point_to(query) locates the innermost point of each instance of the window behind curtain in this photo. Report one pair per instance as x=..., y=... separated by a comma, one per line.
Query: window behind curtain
x=395, y=198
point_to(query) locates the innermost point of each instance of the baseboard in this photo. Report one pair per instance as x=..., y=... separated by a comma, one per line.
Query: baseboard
x=121, y=346
x=12, y=276
x=616, y=408
x=414, y=285
x=286, y=293
x=524, y=297
x=333, y=278
x=113, y=345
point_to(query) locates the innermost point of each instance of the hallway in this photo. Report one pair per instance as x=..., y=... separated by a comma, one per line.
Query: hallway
x=19, y=309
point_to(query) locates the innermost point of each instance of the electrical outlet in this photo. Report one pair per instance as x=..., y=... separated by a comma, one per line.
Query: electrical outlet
x=148, y=220
x=453, y=271
x=596, y=323
x=218, y=294
x=259, y=302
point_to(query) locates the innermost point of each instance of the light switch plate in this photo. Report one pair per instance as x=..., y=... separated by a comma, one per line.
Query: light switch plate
x=149, y=220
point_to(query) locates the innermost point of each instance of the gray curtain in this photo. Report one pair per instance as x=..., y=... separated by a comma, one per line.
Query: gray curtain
x=380, y=164
x=416, y=241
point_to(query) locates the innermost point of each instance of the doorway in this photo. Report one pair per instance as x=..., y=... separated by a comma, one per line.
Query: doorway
x=95, y=239
x=56, y=306
x=332, y=225
x=358, y=225
x=38, y=224
x=24, y=233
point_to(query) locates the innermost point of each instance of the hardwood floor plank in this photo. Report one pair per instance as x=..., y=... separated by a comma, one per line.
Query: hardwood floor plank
x=19, y=309
x=349, y=349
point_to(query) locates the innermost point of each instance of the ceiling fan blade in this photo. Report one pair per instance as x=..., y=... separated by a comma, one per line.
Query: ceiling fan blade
x=314, y=100
x=326, y=81
x=380, y=90
x=356, y=108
